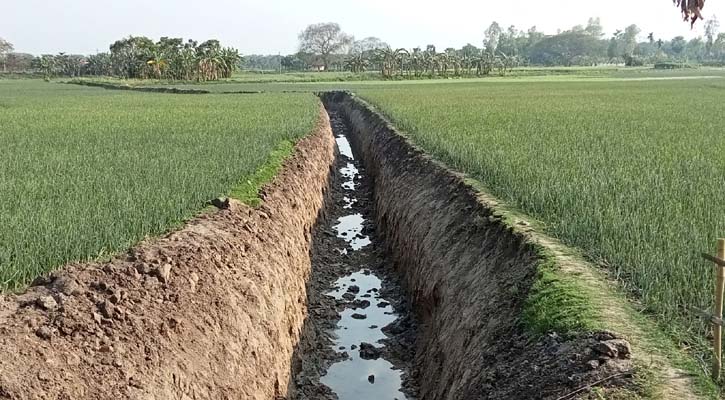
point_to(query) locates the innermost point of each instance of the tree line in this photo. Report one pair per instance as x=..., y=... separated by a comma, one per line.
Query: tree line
x=327, y=47
x=134, y=57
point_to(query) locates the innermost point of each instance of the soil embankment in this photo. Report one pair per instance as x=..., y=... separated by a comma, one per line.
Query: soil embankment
x=212, y=311
x=467, y=275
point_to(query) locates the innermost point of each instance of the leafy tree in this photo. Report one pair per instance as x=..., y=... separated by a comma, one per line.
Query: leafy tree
x=594, y=28
x=5, y=48
x=17, y=62
x=507, y=43
x=718, y=47
x=678, y=45
x=367, y=45
x=567, y=48
x=491, y=36
x=324, y=40
x=614, y=45
x=695, y=49
x=711, y=32
x=629, y=40
x=293, y=63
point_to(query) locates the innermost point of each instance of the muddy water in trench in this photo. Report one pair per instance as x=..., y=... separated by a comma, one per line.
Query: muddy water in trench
x=363, y=340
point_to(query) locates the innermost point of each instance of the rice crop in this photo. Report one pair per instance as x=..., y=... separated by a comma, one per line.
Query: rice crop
x=631, y=172
x=88, y=172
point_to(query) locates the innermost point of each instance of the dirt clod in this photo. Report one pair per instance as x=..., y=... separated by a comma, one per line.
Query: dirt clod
x=44, y=332
x=163, y=272
x=47, y=303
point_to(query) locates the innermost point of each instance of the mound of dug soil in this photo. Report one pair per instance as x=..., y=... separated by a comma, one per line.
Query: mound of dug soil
x=467, y=275
x=211, y=311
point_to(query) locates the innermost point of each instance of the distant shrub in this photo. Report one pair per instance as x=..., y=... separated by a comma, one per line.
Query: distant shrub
x=631, y=61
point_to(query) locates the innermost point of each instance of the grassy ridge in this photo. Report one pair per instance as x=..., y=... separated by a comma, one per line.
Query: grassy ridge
x=88, y=172
x=631, y=172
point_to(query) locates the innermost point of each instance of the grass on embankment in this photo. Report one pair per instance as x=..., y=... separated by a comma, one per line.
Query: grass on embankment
x=614, y=168
x=86, y=173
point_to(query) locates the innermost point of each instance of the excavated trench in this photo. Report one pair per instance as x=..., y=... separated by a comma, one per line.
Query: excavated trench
x=368, y=272
x=455, y=275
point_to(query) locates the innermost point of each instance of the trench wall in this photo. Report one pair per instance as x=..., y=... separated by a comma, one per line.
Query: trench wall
x=467, y=273
x=212, y=311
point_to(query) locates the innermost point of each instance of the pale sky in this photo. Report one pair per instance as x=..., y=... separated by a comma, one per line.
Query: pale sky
x=271, y=26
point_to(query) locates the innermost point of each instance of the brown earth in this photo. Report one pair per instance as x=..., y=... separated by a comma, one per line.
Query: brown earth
x=467, y=275
x=212, y=311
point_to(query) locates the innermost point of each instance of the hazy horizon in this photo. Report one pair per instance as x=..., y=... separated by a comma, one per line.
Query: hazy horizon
x=85, y=26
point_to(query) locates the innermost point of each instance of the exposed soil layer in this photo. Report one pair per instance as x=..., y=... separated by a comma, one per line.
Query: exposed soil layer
x=212, y=311
x=467, y=275
x=358, y=341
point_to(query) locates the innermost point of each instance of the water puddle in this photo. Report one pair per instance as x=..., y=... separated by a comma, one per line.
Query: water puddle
x=350, y=228
x=364, y=374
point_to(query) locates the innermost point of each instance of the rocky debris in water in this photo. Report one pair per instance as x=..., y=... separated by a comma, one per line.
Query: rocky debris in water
x=47, y=303
x=164, y=273
x=44, y=332
x=371, y=378
x=398, y=326
x=353, y=347
x=373, y=327
x=354, y=289
x=360, y=304
x=341, y=348
x=383, y=304
x=369, y=352
x=614, y=348
x=359, y=316
x=348, y=296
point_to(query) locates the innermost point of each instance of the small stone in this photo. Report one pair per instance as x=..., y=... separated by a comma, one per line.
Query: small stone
x=373, y=327
x=353, y=289
x=348, y=296
x=47, y=303
x=164, y=273
x=44, y=332
x=383, y=304
x=341, y=348
x=359, y=316
x=361, y=304
x=371, y=378
x=97, y=317
x=353, y=347
x=593, y=364
x=105, y=348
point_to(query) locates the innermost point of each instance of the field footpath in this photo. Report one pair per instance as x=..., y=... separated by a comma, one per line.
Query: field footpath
x=210, y=311
x=541, y=285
